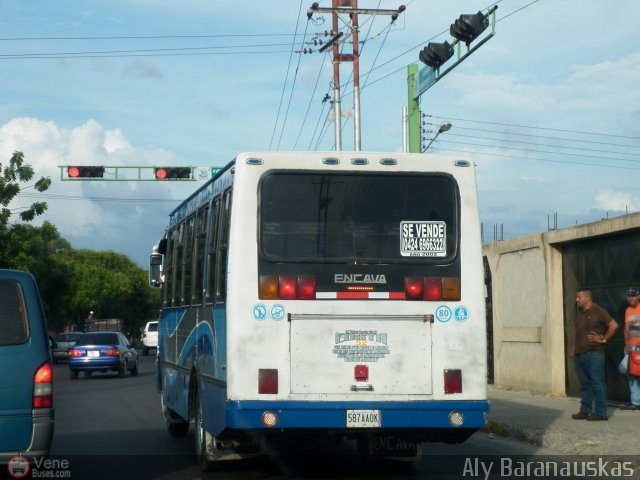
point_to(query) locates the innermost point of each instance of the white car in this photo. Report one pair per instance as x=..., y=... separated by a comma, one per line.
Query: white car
x=149, y=337
x=62, y=344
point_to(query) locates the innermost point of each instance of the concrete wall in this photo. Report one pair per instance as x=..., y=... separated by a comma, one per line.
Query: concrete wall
x=528, y=310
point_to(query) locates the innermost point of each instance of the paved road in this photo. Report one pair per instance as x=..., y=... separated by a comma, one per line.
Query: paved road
x=110, y=427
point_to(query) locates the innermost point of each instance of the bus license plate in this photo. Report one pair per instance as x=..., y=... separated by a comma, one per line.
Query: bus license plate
x=363, y=418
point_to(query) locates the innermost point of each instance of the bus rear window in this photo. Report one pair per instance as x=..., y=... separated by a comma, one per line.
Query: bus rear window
x=343, y=217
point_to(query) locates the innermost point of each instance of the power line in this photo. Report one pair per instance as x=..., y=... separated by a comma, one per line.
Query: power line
x=477, y=153
x=512, y=133
x=141, y=52
x=293, y=85
x=145, y=37
x=313, y=94
x=637, y=162
x=539, y=128
x=565, y=147
x=55, y=196
x=286, y=79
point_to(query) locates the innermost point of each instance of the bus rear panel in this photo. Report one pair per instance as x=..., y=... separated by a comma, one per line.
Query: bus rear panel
x=348, y=300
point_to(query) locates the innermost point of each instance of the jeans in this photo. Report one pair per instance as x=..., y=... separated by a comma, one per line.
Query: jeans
x=634, y=385
x=593, y=386
x=634, y=389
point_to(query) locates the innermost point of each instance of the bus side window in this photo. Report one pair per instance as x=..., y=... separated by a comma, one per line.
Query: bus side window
x=223, y=248
x=169, y=268
x=178, y=295
x=211, y=249
x=201, y=238
x=187, y=261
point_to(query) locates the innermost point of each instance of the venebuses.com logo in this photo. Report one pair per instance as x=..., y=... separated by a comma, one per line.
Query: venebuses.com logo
x=39, y=467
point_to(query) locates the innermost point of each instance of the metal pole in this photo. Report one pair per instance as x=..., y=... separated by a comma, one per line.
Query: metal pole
x=356, y=80
x=413, y=116
x=336, y=80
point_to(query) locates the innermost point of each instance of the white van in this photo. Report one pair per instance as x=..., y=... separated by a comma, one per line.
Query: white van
x=150, y=337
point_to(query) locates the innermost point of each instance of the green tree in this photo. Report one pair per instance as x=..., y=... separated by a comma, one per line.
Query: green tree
x=38, y=250
x=110, y=285
x=11, y=177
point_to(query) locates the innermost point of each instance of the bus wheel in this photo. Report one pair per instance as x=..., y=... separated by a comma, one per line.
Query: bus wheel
x=205, y=443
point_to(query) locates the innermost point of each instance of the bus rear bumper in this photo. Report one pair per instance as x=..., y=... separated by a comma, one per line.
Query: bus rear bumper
x=358, y=416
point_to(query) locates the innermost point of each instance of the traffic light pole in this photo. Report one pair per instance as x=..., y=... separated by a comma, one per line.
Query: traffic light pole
x=76, y=173
x=419, y=81
x=413, y=111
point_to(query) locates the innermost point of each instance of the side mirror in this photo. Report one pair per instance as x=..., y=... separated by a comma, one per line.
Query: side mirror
x=155, y=270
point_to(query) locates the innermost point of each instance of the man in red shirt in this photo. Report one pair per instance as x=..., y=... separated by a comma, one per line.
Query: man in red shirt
x=593, y=328
x=632, y=342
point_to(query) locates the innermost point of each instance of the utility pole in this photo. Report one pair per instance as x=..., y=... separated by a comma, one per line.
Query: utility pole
x=337, y=111
x=350, y=8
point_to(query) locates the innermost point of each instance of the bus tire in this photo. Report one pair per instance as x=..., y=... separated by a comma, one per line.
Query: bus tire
x=205, y=443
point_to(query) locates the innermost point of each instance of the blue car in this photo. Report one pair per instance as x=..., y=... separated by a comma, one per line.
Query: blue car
x=102, y=352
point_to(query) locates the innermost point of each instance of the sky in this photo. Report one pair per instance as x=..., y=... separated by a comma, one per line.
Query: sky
x=548, y=108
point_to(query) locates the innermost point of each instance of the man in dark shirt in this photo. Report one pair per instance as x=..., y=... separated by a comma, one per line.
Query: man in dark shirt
x=593, y=328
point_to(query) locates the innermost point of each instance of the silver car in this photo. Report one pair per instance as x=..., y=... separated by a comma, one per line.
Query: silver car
x=63, y=343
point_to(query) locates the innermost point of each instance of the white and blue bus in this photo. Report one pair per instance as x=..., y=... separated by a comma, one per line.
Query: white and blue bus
x=337, y=293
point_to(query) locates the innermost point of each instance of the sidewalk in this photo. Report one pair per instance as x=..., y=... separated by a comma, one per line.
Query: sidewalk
x=546, y=421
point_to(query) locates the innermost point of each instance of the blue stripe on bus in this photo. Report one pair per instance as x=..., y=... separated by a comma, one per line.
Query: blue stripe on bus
x=332, y=415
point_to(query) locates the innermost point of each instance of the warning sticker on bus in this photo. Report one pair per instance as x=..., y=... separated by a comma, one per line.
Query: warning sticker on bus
x=423, y=239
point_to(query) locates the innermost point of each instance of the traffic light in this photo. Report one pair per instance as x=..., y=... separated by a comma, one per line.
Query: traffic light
x=85, y=172
x=469, y=26
x=172, y=173
x=435, y=54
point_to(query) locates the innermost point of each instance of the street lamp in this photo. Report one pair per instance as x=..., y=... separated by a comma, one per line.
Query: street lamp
x=445, y=127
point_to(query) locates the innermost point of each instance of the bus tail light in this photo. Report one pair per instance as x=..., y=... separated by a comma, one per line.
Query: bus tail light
x=268, y=287
x=414, y=288
x=268, y=380
x=432, y=288
x=453, y=381
x=306, y=287
x=290, y=287
x=43, y=387
x=451, y=288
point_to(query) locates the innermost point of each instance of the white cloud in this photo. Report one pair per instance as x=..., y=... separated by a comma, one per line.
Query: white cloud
x=126, y=217
x=616, y=201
